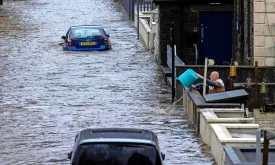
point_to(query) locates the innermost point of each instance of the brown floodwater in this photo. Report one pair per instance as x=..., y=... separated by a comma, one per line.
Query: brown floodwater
x=47, y=95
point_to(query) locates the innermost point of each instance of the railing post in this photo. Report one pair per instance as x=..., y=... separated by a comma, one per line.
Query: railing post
x=268, y=135
x=256, y=105
x=173, y=60
x=258, y=147
x=265, y=149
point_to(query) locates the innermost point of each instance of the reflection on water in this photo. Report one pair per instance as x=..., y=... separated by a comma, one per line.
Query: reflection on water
x=48, y=95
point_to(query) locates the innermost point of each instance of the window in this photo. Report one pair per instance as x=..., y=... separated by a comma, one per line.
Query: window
x=86, y=32
x=117, y=154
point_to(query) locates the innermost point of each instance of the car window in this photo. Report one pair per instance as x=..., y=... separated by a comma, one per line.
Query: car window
x=86, y=32
x=116, y=154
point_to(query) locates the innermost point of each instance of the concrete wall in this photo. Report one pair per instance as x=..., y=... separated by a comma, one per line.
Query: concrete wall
x=264, y=32
x=144, y=28
x=245, y=155
x=227, y=129
x=145, y=31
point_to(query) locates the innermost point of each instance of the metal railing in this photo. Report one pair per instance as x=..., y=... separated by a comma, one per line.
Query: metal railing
x=262, y=156
x=172, y=61
x=131, y=6
x=145, y=5
x=178, y=61
x=128, y=5
x=196, y=53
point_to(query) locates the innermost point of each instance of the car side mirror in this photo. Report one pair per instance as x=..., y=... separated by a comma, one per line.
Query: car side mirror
x=63, y=37
x=70, y=155
x=108, y=35
x=163, y=156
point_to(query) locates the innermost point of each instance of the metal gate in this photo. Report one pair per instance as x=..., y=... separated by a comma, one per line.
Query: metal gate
x=131, y=6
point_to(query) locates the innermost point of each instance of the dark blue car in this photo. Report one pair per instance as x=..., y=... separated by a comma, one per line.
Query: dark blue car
x=86, y=37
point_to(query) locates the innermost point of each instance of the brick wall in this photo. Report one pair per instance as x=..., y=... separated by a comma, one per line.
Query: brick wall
x=167, y=14
x=264, y=32
x=190, y=20
x=242, y=43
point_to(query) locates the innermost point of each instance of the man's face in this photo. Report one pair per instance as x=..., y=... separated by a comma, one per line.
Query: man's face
x=213, y=76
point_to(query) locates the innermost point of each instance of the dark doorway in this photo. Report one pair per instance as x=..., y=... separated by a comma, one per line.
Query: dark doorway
x=216, y=36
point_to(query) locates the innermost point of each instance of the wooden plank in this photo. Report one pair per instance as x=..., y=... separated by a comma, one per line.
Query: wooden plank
x=226, y=96
x=199, y=101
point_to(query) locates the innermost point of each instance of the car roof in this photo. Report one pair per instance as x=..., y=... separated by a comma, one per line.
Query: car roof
x=85, y=26
x=118, y=133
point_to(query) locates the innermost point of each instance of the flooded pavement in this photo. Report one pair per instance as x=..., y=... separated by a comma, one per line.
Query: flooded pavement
x=48, y=95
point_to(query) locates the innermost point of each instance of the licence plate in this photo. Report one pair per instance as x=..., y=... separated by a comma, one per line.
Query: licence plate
x=87, y=43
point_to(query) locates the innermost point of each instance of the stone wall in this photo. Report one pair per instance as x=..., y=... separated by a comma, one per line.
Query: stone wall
x=264, y=32
x=264, y=119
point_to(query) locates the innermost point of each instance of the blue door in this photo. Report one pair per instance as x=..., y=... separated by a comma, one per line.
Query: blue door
x=216, y=36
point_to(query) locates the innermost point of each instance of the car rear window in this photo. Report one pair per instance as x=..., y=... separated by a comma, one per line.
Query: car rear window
x=116, y=154
x=86, y=32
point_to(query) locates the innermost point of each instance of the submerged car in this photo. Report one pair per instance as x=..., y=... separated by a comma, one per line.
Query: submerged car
x=116, y=146
x=86, y=37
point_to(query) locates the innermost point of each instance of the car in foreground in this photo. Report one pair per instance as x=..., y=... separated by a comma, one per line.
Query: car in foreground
x=116, y=146
x=86, y=37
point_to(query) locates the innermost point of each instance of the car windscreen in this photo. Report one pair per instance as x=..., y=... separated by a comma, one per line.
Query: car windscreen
x=86, y=32
x=116, y=154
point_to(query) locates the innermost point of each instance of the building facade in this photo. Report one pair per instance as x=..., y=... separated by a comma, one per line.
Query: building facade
x=242, y=30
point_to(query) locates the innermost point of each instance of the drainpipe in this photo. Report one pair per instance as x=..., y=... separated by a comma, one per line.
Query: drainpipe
x=196, y=53
x=256, y=105
x=204, y=76
x=137, y=19
x=133, y=10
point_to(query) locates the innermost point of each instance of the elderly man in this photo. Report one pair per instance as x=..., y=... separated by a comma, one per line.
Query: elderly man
x=215, y=84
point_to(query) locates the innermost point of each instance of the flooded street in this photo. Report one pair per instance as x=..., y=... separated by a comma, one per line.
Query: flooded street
x=48, y=95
